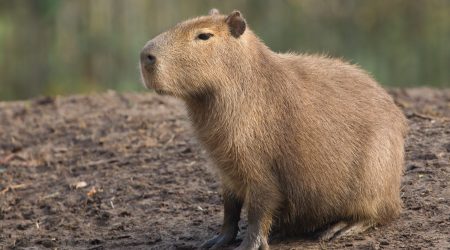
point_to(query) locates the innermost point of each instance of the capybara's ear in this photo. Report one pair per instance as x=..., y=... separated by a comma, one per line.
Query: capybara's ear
x=214, y=11
x=236, y=23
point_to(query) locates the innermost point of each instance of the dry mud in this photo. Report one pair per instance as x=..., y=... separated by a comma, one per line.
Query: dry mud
x=122, y=171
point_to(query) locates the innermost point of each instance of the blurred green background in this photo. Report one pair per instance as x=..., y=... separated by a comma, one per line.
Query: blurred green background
x=50, y=47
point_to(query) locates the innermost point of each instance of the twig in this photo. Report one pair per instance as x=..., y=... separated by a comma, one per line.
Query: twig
x=4, y=190
x=428, y=117
x=10, y=157
x=99, y=162
x=12, y=188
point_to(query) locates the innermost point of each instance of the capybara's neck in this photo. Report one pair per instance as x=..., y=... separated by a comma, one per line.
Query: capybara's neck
x=246, y=83
x=239, y=94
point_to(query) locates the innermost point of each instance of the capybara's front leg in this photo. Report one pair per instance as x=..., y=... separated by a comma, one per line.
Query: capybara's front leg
x=262, y=204
x=230, y=228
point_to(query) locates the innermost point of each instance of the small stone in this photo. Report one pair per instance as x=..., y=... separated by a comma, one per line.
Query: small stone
x=427, y=157
x=80, y=184
x=447, y=147
x=384, y=242
x=186, y=151
x=413, y=167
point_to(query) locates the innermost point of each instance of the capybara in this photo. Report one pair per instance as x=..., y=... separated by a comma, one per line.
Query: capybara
x=308, y=143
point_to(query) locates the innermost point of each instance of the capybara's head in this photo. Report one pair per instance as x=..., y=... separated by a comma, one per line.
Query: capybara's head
x=190, y=58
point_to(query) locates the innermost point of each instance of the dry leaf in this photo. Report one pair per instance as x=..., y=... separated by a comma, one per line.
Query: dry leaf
x=92, y=192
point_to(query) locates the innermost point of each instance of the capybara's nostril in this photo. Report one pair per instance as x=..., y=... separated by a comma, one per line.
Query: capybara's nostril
x=148, y=59
x=151, y=59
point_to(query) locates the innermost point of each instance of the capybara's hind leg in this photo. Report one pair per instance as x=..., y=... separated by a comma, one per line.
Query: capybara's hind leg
x=342, y=229
x=276, y=233
x=354, y=229
x=330, y=232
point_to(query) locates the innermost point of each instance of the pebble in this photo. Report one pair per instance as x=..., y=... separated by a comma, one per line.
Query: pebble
x=384, y=242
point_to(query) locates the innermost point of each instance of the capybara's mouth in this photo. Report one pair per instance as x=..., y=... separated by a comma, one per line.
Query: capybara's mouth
x=156, y=87
x=148, y=81
x=153, y=85
x=161, y=92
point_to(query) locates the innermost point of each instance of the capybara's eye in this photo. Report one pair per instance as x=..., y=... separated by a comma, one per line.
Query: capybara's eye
x=204, y=36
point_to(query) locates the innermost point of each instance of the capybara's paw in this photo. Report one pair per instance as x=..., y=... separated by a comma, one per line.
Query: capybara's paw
x=257, y=243
x=342, y=229
x=219, y=241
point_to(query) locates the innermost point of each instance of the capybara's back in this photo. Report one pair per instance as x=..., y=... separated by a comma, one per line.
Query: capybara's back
x=308, y=143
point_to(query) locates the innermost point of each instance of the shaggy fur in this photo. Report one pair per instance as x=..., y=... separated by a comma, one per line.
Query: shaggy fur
x=306, y=142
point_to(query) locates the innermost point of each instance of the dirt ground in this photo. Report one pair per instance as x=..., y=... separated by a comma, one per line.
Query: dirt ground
x=122, y=171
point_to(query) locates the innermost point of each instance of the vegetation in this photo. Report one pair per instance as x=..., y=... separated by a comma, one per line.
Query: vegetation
x=50, y=47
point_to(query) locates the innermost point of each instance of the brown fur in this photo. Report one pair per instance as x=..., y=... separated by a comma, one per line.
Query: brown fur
x=306, y=140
